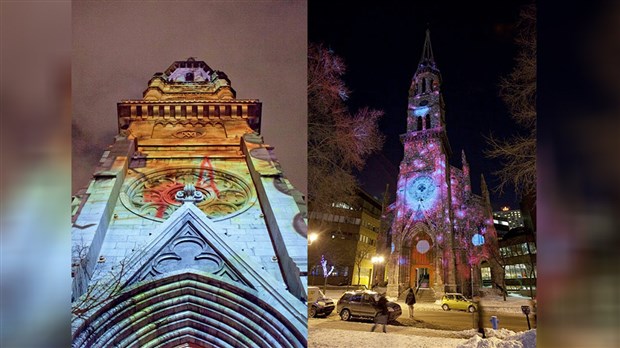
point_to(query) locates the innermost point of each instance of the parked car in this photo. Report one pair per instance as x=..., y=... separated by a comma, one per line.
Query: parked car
x=318, y=304
x=361, y=304
x=457, y=301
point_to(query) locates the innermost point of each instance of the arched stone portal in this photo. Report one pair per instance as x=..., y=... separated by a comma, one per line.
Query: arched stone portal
x=189, y=309
x=420, y=250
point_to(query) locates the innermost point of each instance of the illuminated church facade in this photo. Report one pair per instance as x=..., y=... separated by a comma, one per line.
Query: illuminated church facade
x=442, y=234
x=189, y=235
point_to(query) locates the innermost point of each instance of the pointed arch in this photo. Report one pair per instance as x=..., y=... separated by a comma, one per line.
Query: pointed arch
x=206, y=293
x=189, y=307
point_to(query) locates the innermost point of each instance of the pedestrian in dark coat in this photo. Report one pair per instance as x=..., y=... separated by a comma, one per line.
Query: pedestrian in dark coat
x=382, y=313
x=410, y=301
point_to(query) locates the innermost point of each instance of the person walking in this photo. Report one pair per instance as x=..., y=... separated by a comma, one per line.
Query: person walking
x=382, y=313
x=410, y=301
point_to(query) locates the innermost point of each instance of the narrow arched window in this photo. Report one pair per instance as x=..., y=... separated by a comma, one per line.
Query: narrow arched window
x=419, y=122
x=428, y=121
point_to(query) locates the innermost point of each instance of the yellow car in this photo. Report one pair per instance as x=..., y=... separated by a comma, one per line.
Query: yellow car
x=457, y=301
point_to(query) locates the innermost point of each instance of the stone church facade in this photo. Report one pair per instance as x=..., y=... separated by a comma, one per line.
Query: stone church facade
x=189, y=235
x=442, y=234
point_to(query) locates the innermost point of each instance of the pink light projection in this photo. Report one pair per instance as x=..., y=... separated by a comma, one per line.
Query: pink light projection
x=433, y=198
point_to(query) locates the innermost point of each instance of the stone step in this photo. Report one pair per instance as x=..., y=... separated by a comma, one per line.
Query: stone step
x=422, y=295
x=425, y=295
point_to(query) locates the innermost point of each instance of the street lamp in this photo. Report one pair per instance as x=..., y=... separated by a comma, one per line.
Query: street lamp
x=312, y=237
x=374, y=260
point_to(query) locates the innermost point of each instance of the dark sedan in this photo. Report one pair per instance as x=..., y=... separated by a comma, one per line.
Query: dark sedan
x=362, y=304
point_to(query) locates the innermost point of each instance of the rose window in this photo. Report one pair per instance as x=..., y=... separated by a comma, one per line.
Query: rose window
x=153, y=195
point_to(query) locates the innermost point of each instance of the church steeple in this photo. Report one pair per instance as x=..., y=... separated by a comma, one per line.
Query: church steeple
x=466, y=178
x=427, y=58
x=425, y=101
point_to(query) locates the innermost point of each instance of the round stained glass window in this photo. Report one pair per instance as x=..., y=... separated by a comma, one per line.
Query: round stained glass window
x=477, y=239
x=152, y=194
x=422, y=247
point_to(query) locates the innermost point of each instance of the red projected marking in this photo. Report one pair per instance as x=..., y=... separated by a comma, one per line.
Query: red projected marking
x=206, y=165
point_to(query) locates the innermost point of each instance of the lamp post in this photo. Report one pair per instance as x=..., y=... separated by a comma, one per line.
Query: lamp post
x=374, y=260
x=472, y=281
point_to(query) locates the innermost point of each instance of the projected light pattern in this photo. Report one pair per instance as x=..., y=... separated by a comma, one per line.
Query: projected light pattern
x=477, y=239
x=434, y=198
x=422, y=247
x=421, y=111
x=421, y=193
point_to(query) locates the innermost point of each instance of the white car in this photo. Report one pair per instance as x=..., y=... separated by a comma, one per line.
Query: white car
x=318, y=304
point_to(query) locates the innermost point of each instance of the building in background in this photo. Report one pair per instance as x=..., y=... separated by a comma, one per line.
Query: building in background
x=517, y=250
x=189, y=234
x=502, y=226
x=442, y=235
x=513, y=217
x=347, y=240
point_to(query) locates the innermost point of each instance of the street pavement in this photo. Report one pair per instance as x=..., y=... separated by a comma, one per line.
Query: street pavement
x=429, y=320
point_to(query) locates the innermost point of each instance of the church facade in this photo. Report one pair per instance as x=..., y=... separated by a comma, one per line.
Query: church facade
x=442, y=234
x=189, y=235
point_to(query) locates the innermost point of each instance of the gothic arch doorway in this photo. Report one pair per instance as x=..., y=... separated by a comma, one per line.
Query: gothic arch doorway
x=189, y=309
x=421, y=256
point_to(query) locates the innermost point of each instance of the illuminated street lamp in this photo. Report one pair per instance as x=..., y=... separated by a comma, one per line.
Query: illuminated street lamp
x=374, y=260
x=312, y=237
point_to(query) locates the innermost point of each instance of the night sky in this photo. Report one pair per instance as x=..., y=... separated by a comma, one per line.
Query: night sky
x=381, y=44
x=118, y=46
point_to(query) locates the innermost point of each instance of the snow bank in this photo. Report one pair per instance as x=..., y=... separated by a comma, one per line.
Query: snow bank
x=332, y=338
x=502, y=339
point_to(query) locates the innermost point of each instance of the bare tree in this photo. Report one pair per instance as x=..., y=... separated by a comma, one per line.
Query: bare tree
x=100, y=292
x=338, y=140
x=362, y=253
x=91, y=295
x=518, y=90
x=500, y=260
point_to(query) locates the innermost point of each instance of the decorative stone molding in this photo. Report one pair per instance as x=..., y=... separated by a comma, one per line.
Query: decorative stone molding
x=155, y=195
x=188, y=249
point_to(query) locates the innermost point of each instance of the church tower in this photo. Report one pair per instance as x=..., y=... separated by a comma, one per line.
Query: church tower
x=189, y=235
x=434, y=202
x=421, y=232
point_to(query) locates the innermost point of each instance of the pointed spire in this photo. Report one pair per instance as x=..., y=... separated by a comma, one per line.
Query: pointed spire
x=427, y=52
x=485, y=190
x=463, y=158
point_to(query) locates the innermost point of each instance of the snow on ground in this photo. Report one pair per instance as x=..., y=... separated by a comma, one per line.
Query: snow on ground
x=501, y=339
x=336, y=338
x=328, y=338
x=430, y=338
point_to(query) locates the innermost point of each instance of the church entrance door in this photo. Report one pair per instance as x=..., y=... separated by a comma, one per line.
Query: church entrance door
x=422, y=278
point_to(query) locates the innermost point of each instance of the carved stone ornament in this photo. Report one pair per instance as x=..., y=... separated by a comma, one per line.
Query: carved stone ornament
x=188, y=250
x=155, y=195
x=187, y=134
